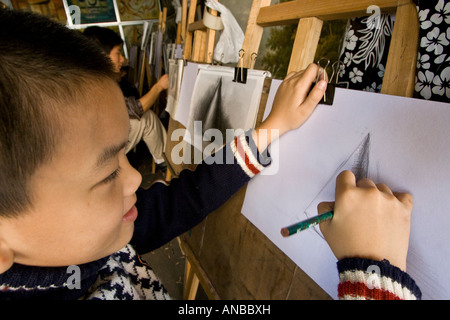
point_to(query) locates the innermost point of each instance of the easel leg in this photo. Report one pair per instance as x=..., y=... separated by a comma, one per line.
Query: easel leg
x=153, y=166
x=194, y=275
x=168, y=175
x=191, y=282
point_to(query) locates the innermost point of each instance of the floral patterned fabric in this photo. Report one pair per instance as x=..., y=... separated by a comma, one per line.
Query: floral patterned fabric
x=433, y=60
x=366, y=46
x=364, y=53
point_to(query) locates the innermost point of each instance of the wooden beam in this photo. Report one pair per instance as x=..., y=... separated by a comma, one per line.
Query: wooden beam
x=195, y=275
x=305, y=44
x=191, y=282
x=290, y=12
x=210, y=40
x=197, y=25
x=399, y=78
x=183, y=20
x=189, y=35
x=199, y=46
x=253, y=32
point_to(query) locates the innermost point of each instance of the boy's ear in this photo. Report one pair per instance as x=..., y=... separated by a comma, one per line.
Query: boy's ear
x=6, y=257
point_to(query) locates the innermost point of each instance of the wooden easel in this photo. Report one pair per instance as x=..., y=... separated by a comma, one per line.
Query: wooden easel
x=198, y=42
x=145, y=72
x=227, y=254
x=199, y=45
x=310, y=14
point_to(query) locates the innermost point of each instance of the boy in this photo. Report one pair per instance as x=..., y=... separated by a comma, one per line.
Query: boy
x=144, y=123
x=69, y=199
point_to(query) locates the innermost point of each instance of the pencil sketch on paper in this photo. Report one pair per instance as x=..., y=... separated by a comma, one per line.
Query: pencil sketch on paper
x=219, y=103
x=357, y=162
x=209, y=108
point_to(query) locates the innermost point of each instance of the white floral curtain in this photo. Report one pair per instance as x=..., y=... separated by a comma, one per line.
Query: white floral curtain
x=364, y=53
x=366, y=45
x=433, y=61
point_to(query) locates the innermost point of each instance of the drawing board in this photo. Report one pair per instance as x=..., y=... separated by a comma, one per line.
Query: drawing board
x=401, y=142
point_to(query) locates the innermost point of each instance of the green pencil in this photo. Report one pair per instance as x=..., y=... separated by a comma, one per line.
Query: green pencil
x=305, y=224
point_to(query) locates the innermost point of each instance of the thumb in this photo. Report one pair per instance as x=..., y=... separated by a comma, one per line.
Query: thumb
x=314, y=97
x=325, y=207
x=317, y=93
x=322, y=208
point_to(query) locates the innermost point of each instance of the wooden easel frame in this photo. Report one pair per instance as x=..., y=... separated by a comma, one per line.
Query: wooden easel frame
x=262, y=258
x=199, y=45
x=310, y=14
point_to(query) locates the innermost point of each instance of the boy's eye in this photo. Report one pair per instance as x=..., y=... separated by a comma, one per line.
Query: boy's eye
x=112, y=176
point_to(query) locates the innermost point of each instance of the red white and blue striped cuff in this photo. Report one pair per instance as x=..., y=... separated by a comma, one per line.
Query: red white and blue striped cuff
x=245, y=157
x=364, y=279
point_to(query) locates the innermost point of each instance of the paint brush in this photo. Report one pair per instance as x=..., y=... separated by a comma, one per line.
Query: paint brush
x=305, y=224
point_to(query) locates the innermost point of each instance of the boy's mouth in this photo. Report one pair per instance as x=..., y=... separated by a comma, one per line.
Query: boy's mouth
x=131, y=215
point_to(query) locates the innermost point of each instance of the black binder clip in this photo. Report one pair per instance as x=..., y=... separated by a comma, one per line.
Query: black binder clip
x=333, y=81
x=328, y=96
x=240, y=73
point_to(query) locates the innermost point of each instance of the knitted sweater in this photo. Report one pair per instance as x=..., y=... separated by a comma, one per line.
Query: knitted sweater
x=166, y=211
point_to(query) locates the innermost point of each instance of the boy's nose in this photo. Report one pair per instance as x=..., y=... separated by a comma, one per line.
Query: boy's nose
x=132, y=178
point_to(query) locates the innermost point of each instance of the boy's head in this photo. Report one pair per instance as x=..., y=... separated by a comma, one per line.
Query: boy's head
x=63, y=128
x=110, y=42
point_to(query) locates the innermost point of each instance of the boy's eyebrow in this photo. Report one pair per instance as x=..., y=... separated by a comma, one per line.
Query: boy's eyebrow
x=109, y=153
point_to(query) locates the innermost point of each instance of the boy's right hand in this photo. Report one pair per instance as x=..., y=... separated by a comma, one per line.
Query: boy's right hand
x=370, y=221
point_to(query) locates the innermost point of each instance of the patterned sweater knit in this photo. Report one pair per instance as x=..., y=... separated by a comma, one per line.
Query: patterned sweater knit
x=166, y=211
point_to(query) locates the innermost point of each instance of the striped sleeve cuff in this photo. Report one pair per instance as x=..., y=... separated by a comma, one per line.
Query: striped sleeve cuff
x=247, y=155
x=364, y=279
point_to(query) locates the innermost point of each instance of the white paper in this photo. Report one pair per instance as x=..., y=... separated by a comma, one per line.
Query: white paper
x=406, y=143
x=175, y=77
x=187, y=86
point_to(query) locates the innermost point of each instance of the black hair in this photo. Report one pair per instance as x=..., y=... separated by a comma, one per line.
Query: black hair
x=107, y=39
x=44, y=69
